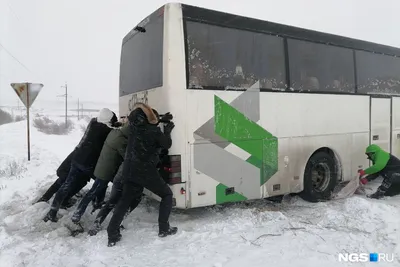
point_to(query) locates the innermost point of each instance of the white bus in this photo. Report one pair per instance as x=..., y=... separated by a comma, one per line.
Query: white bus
x=261, y=109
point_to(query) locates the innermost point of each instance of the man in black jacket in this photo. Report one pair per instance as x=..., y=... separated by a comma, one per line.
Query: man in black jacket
x=115, y=196
x=111, y=157
x=85, y=157
x=62, y=173
x=116, y=191
x=140, y=170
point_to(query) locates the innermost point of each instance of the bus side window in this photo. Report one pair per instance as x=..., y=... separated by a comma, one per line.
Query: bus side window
x=313, y=84
x=377, y=73
x=316, y=67
x=233, y=58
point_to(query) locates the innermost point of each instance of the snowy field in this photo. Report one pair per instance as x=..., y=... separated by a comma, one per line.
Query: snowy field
x=293, y=233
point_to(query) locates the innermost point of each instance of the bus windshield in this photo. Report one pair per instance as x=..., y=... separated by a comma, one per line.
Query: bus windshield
x=142, y=57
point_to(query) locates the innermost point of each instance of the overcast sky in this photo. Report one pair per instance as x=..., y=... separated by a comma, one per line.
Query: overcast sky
x=79, y=41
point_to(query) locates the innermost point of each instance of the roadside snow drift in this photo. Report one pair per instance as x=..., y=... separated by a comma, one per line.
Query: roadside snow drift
x=294, y=233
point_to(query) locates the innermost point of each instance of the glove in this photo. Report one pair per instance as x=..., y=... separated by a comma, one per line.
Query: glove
x=364, y=181
x=361, y=173
x=167, y=117
x=168, y=127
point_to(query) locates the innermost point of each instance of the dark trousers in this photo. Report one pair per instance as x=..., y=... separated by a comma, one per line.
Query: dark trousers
x=80, y=183
x=393, y=190
x=98, y=187
x=100, y=196
x=62, y=173
x=115, y=196
x=132, y=190
x=390, y=184
x=76, y=171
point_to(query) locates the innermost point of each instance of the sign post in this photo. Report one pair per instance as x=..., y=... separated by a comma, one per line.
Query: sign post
x=27, y=92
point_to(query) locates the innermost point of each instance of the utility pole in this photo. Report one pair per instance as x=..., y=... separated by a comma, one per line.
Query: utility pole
x=19, y=108
x=78, y=109
x=66, y=103
x=28, y=105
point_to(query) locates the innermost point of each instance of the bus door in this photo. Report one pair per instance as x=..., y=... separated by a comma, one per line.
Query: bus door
x=396, y=126
x=380, y=122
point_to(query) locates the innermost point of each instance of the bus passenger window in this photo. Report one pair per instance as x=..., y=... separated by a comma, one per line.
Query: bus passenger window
x=376, y=73
x=316, y=67
x=232, y=58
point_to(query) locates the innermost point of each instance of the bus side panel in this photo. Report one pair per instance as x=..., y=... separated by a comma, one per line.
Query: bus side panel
x=338, y=122
x=219, y=170
x=348, y=148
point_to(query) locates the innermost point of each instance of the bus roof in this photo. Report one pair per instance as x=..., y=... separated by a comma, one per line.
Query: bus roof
x=240, y=22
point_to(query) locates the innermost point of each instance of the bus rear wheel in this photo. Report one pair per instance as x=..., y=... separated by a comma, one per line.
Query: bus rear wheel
x=320, y=177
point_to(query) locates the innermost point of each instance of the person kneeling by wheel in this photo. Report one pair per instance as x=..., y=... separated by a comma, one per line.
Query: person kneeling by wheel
x=385, y=165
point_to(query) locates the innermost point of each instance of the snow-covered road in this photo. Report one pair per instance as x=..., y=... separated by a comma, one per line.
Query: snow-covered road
x=260, y=233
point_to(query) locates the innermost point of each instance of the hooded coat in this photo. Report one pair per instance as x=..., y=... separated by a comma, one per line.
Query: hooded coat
x=382, y=161
x=144, y=143
x=383, y=164
x=112, y=154
x=88, y=150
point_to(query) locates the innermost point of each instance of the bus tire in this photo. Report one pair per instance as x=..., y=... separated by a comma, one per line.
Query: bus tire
x=320, y=177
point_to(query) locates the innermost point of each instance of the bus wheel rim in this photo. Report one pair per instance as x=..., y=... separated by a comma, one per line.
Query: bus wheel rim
x=320, y=176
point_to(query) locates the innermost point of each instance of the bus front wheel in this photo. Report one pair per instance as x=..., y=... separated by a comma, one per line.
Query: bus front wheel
x=320, y=177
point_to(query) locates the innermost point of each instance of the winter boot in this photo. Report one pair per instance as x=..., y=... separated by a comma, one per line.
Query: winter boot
x=169, y=231
x=97, y=205
x=95, y=228
x=42, y=199
x=68, y=204
x=76, y=217
x=112, y=242
x=51, y=216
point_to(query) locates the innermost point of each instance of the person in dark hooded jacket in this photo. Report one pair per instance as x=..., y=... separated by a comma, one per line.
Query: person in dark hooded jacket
x=85, y=157
x=385, y=165
x=140, y=169
x=111, y=157
x=62, y=173
x=115, y=196
x=116, y=191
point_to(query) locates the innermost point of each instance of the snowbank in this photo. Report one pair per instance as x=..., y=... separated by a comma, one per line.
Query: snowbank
x=254, y=234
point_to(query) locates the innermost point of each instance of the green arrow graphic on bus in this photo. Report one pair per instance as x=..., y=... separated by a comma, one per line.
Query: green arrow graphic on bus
x=235, y=127
x=212, y=155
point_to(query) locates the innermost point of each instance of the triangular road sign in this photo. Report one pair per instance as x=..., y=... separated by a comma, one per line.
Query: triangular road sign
x=23, y=89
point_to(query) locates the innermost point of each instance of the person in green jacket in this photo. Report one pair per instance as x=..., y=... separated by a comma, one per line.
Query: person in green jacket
x=116, y=191
x=111, y=157
x=385, y=165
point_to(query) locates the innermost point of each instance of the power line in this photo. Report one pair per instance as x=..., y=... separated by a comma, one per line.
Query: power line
x=23, y=24
x=12, y=11
x=16, y=59
x=7, y=51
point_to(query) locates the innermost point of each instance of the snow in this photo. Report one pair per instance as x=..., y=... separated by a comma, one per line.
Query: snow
x=258, y=233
